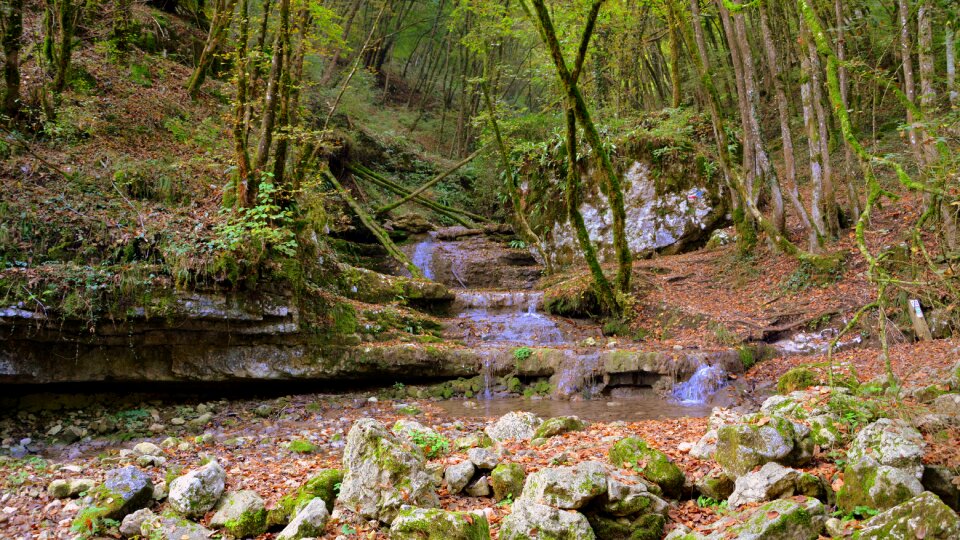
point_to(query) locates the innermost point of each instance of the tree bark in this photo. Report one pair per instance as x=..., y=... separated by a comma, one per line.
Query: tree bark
x=240, y=128
x=909, y=89
x=12, y=36
x=270, y=103
x=951, y=53
x=215, y=38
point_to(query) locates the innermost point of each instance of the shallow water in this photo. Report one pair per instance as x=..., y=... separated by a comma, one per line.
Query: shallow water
x=643, y=405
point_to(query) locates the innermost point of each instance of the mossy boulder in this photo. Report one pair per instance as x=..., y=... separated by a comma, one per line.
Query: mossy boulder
x=650, y=462
x=516, y=425
x=798, y=378
x=198, y=491
x=375, y=288
x=630, y=500
x=567, y=487
x=758, y=439
x=645, y=527
x=124, y=491
x=530, y=520
x=716, y=484
x=434, y=524
x=241, y=513
x=552, y=427
x=309, y=522
x=924, y=516
x=384, y=472
x=784, y=519
x=774, y=481
x=473, y=440
x=884, y=466
x=507, y=480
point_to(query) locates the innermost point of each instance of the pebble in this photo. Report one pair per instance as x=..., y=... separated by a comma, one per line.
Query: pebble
x=177, y=421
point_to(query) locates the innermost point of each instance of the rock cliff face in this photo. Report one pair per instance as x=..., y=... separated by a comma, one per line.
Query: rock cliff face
x=659, y=218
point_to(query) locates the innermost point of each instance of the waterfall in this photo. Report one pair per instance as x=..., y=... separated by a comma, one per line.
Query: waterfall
x=704, y=383
x=423, y=256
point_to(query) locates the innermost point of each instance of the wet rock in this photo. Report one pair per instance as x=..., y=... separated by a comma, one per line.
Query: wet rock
x=483, y=458
x=198, y=491
x=507, y=481
x=529, y=520
x=883, y=466
x=650, y=462
x=241, y=513
x=514, y=425
x=773, y=481
x=567, y=487
x=308, y=523
x=322, y=485
x=383, y=473
x=924, y=516
x=426, y=523
x=559, y=425
x=132, y=524
x=716, y=484
x=458, y=476
x=480, y=487
x=784, y=519
x=758, y=439
x=124, y=491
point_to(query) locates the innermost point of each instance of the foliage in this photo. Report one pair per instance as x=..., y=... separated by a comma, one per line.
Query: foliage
x=432, y=443
x=260, y=231
x=522, y=353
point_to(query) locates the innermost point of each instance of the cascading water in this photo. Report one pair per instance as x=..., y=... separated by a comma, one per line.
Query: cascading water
x=423, y=256
x=506, y=317
x=704, y=383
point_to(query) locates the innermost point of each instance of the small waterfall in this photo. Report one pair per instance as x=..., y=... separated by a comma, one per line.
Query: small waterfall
x=506, y=317
x=703, y=384
x=423, y=256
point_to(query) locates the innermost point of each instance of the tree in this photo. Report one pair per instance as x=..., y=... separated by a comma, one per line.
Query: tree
x=12, y=26
x=223, y=13
x=60, y=19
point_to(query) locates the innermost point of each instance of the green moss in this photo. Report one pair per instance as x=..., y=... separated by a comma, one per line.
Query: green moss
x=650, y=462
x=325, y=485
x=301, y=446
x=799, y=378
x=507, y=481
x=425, y=524
x=248, y=524
x=647, y=527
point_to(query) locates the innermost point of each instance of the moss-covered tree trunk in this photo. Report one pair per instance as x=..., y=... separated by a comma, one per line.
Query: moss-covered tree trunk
x=215, y=37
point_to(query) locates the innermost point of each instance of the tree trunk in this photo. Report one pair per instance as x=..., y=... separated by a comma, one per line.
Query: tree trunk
x=12, y=35
x=928, y=95
x=240, y=128
x=332, y=66
x=951, y=46
x=909, y=89
x=215, y=37
x=270, y=104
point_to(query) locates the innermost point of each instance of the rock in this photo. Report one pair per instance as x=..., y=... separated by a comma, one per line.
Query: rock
x=132, y=524
x=630, y=500
x=552, y=427
x=58, y=489
x=773, y=481
x=515, y=425
x=458, y=476
x=784, y=519
x=530, y=520
x=241, y=513
x=884, y=466
x=758, y=439
x=198, y=491
x=432, y=524
x=151, y=461
x=836, y=528
x=480, y=487
x=798, y=378
x=953, y=380
x=173, y=528
x=147, y=449
x=716, y=484
x=308, y=523
x=412, y=223
x=567, y=487
x=483, y=458
x=650, y=462
x=947, y=405
x=924, y=516
x=383, y=473
x=71, y=434
x=639, y=528
x=412, y=430
x=79, y=486
x=473, y=440
x=435, y=470
x=706, y=447
x=160, y=491
x=939, y=480
x=124, y=491
x=507, y=481
x=322, y=485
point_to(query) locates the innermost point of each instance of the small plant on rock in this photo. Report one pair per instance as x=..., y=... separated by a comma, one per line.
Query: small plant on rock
x=433, y=444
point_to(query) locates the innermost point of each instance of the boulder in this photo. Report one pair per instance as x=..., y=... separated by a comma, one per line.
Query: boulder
x=433, y=524
x=173, y=528
x=412, y=223
x=567, y=487
x=552, y=427
x=322, y=485
x=383, y=473
x=707, y=445
x=947, y=405
x=147, y=449
x=716, y=484
x=515, y=425
x=241, y=513
x=758, y=439
x=783, y=519
x=924, y=516
x=483, y=458
x=624, y=500
x=884, y=466
x=124, y=491
x=530, y=520
x=644, y=527
x=308, y=523
x=458, y=476
x=653, y=464
x=773, y=481
x=198, y=491
x=940, y=480
x=58, y=489
x=133, y=522
x=507, y=481
x=413, y=430
x=480, y=487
